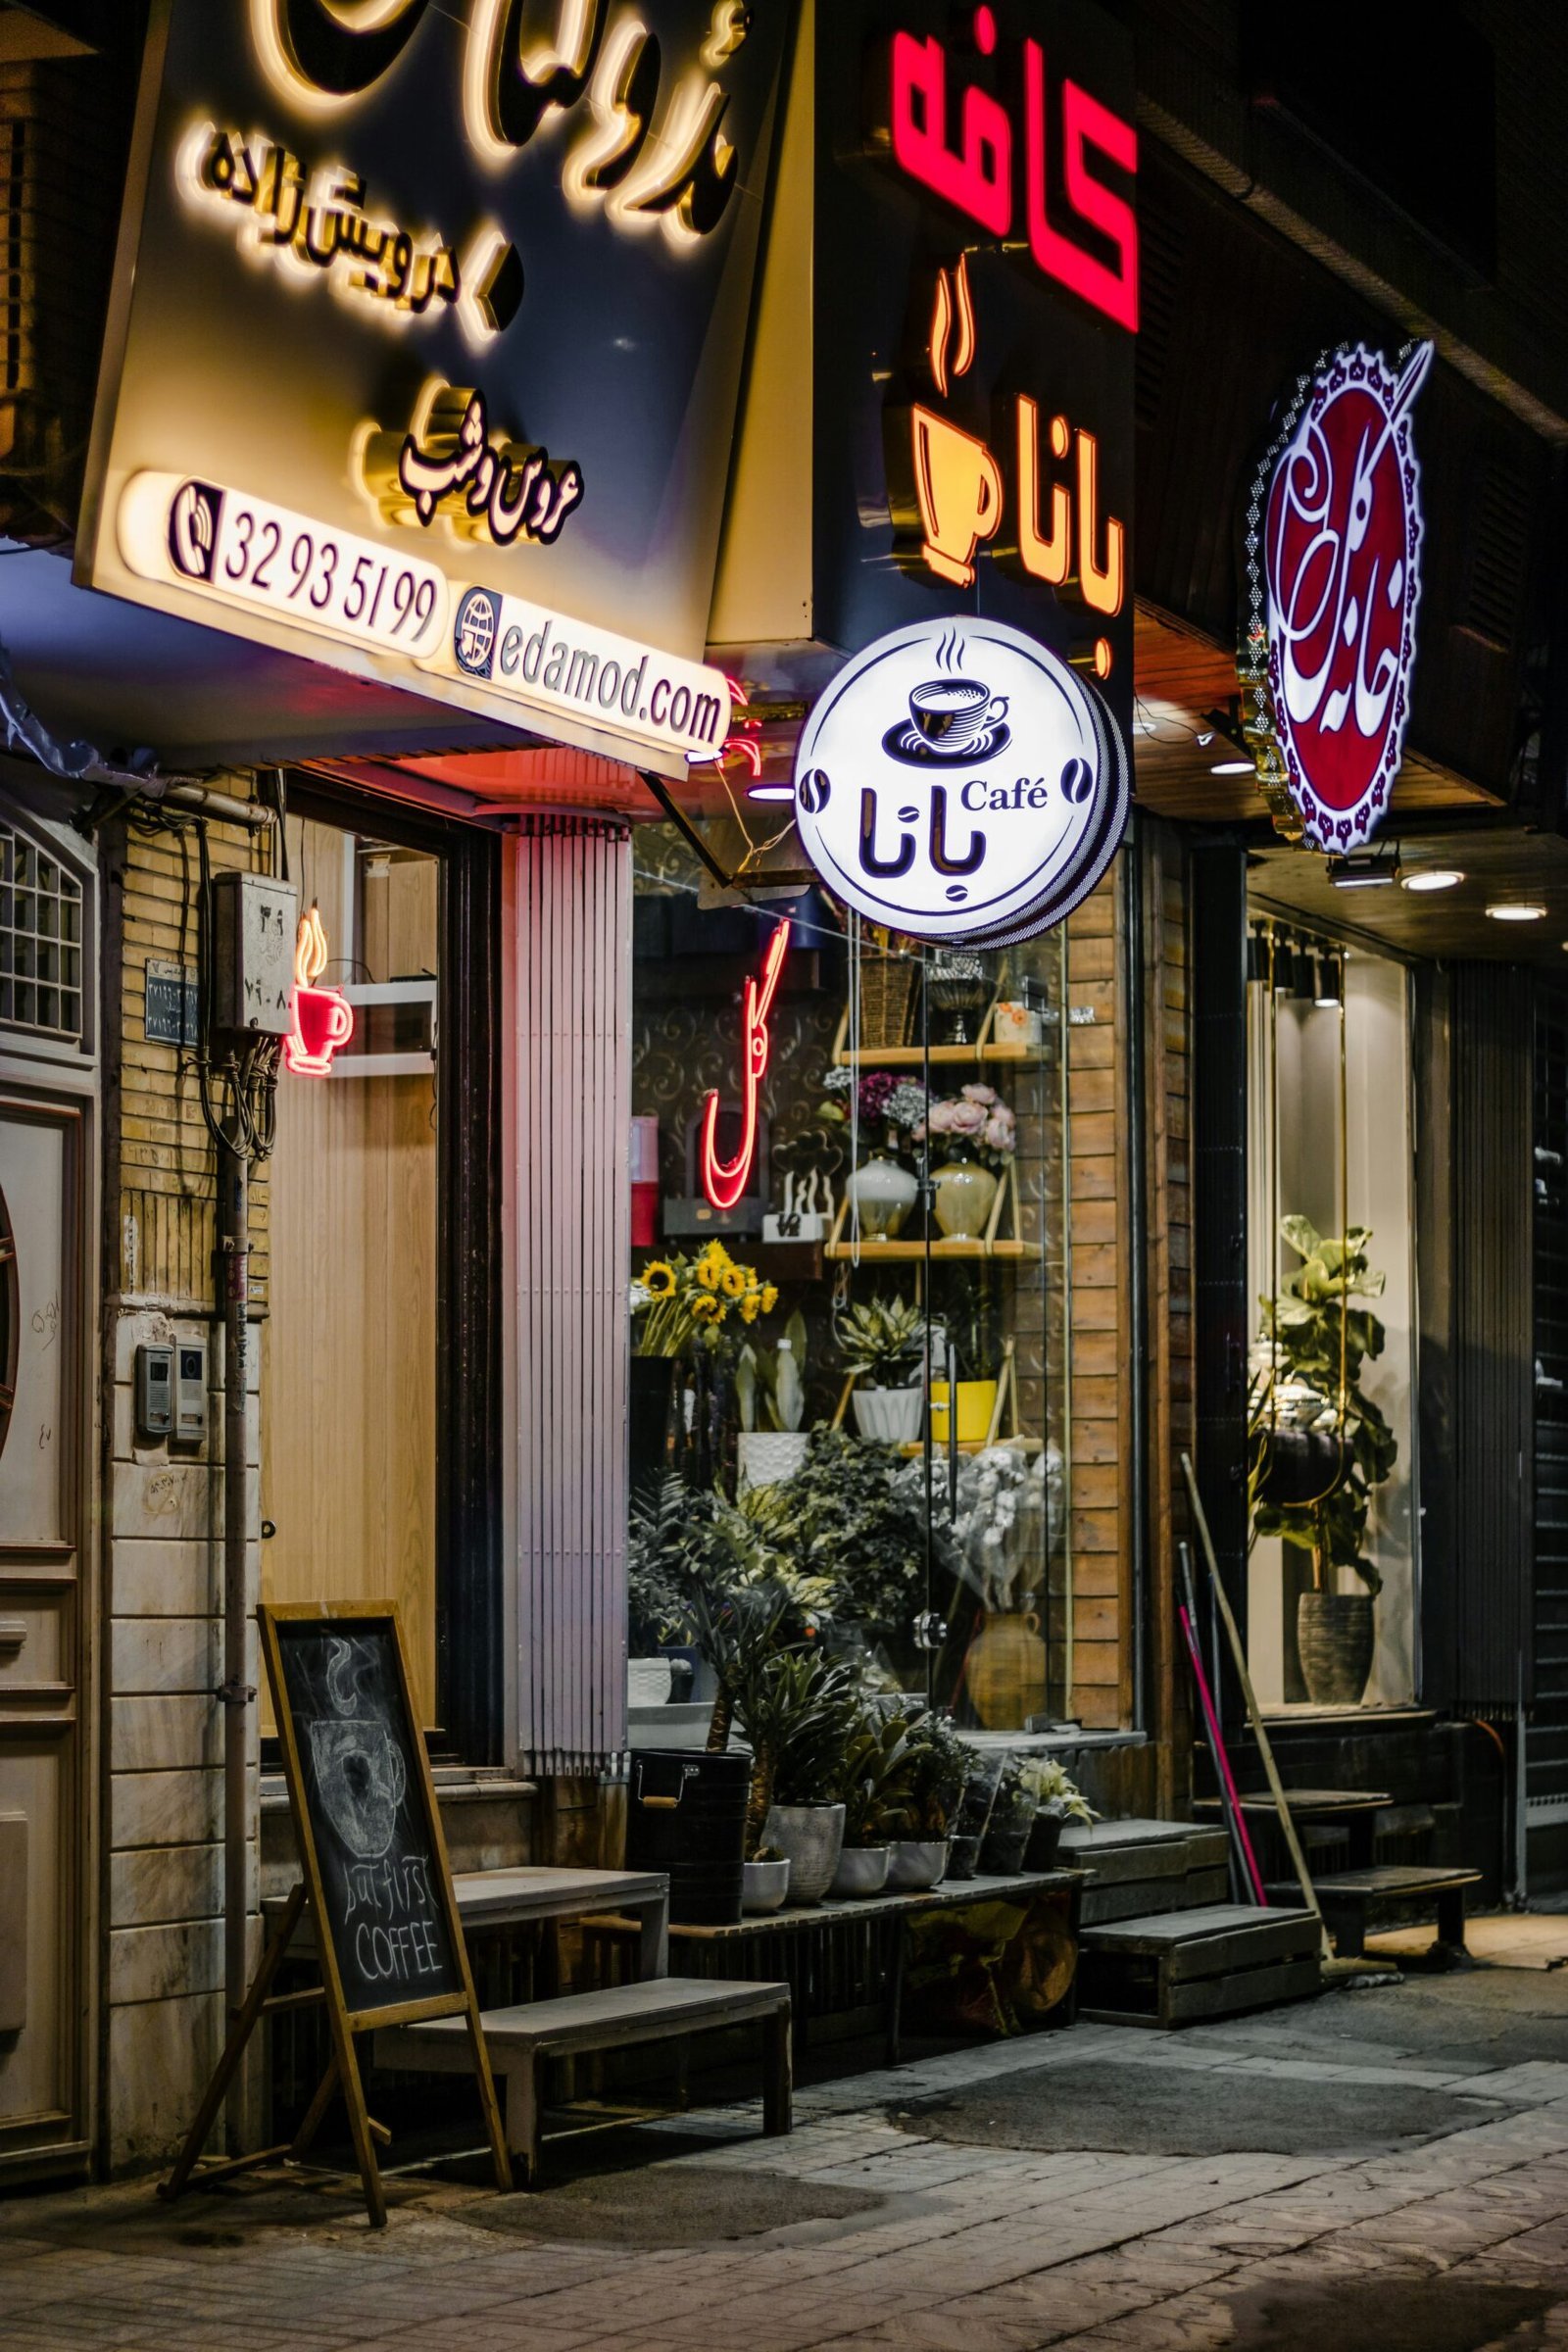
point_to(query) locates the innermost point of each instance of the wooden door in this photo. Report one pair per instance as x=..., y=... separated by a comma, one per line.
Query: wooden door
x=44, y=1939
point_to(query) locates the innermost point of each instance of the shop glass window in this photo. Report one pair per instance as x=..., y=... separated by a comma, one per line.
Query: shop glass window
x=808, y=1387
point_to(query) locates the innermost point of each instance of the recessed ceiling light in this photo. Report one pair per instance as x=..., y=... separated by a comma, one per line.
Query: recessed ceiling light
x=1433, y=877
x=1231, y=767
x=1515, y=910
x=770, y=791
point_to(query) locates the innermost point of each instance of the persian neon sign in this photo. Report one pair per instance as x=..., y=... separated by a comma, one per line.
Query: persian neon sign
x=977, y=174
x=1334, y=578
x=725, y=1181
x=320, y=1019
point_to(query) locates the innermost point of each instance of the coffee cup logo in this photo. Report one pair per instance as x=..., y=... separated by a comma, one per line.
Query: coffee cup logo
x=958, y=781
x=322, y=1017
x=958, y=487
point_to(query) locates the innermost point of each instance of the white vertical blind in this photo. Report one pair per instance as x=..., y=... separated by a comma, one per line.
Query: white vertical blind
x=567, y=916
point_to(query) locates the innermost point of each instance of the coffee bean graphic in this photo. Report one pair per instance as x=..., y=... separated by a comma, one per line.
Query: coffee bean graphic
x=1077, y=782
x=957, y=890
x=815, y=792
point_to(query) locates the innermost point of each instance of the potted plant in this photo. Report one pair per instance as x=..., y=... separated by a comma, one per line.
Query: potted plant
x=979, y=1135
x=881, y=1342
x=772, y=1381
x=1320, y=1448
x=843, y=1519
x=978, y=1347
x=873, y=1781
x=795, y=1709
x=1057, y=1800
x=765, y=1882
x=1009, y=1820
x=940, y=1763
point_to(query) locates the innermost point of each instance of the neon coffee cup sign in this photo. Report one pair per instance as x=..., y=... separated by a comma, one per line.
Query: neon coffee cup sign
x=1334, y=532
x=959, y=781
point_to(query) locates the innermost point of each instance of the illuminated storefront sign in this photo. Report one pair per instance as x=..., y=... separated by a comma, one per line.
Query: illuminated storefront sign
x=1333, y=534
x=970, y=157
x=724, y=1181
x=320, y=1019
x=562, y=670
x=456, y=296
x=959, y=782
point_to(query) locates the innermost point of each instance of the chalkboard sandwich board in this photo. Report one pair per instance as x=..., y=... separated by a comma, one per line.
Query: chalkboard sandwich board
x=376, y=1871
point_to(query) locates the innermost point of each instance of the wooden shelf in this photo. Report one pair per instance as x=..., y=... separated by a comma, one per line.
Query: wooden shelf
x=907, y=1252
x=1021, y=1443
x=910, y=1058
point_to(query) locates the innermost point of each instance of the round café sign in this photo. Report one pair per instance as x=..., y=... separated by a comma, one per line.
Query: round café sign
x=957, y=781
x=1334, y=575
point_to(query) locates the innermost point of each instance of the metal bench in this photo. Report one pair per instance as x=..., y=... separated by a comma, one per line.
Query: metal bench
x=578, y=2023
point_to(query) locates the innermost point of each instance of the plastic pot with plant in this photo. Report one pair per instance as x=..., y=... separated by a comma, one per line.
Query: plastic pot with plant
x=881, y=1341
x=795, y=1711
x=873, y=1784
x=1057, y=1800
x=939, y=1764
x=771, y=1394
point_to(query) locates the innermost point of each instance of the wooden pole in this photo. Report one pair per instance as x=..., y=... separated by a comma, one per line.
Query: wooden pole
x=1308, y=1892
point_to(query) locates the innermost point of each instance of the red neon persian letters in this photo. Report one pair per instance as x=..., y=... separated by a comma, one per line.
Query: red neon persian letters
x=725, y=1181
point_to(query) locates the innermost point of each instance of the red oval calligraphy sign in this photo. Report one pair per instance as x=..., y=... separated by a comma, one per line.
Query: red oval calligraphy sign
x=1334, y=556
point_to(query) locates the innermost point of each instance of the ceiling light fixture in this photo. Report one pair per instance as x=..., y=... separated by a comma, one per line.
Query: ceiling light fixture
x=1330, y=985
x=1515, y=910
x=1232, y=768
x=1378, y=870
x=1433, y=877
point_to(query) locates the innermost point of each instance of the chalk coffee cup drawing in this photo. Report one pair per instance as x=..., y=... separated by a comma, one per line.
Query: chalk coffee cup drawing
x=958, y=483
x=951, y=714
x=360, y=1774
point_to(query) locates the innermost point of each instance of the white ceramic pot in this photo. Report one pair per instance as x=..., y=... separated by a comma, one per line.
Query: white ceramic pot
x=765, y=1456
x=764, y=1887
x=812, y=1838
x=884, y=1195
x=890, y=1415
x=648, y=1682
x=917, y=1862
x=861, y=1870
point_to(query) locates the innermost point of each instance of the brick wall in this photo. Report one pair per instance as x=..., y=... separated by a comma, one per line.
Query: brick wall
x=163, y=1532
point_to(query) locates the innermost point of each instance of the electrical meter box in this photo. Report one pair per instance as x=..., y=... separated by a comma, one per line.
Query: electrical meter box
x=254, y=923
x=190, y=1390
x=155, y=1392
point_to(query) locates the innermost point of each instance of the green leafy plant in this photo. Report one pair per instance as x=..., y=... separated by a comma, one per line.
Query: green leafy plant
x=941, y=1765
x=1315, y=1338
x=880, y=1341
x=774, y=1379
x=1054, y=1789
x=797, y=1710
x=874, y=1778
x=839, y=1517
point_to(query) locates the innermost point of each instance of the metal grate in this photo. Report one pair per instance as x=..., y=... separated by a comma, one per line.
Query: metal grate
x=1499, y=537
x=40, y=941
x=1547, y=1733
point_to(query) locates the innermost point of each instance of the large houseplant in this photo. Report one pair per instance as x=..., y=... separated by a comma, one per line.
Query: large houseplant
x=1321, y=1447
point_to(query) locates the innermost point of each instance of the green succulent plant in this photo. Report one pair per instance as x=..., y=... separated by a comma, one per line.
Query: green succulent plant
x=874, y=1778
x=880, y=1339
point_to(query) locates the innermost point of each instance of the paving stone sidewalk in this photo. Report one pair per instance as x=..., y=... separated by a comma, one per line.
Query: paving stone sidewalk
x=1408, y=2188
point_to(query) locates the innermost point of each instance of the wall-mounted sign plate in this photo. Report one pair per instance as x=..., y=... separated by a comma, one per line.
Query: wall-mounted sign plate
x=412, y=302
x=170, y=1004
x=959, y=781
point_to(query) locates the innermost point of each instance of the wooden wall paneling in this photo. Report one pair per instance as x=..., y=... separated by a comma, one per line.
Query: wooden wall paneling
x=349, y=1354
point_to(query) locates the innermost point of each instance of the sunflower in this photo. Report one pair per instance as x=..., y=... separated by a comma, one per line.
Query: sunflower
x=732, y=1281
x=751, y=1306
x=708, y=1274
x=658, y=1279
x=770, y=1299
x=706, y=1310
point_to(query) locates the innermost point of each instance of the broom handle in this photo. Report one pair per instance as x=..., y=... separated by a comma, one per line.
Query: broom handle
x=1235, y=1821
x=1308, y=1891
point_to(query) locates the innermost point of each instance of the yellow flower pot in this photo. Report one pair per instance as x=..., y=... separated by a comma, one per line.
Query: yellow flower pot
x=977, y=1401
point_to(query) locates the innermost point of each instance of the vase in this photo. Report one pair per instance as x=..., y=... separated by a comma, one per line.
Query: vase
x=890, y=1416
x=964, y=1856
x=917, y=1863
x=764, y=1887
x=861, y=1870
x=1005, y=1671
x=1335, y=1634
x=763, y=1458
x=965, y=1192
x=651, y=1409
x=883, y=1194
x=977, y=1402
x=648, y=1682
x=811, y=1838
